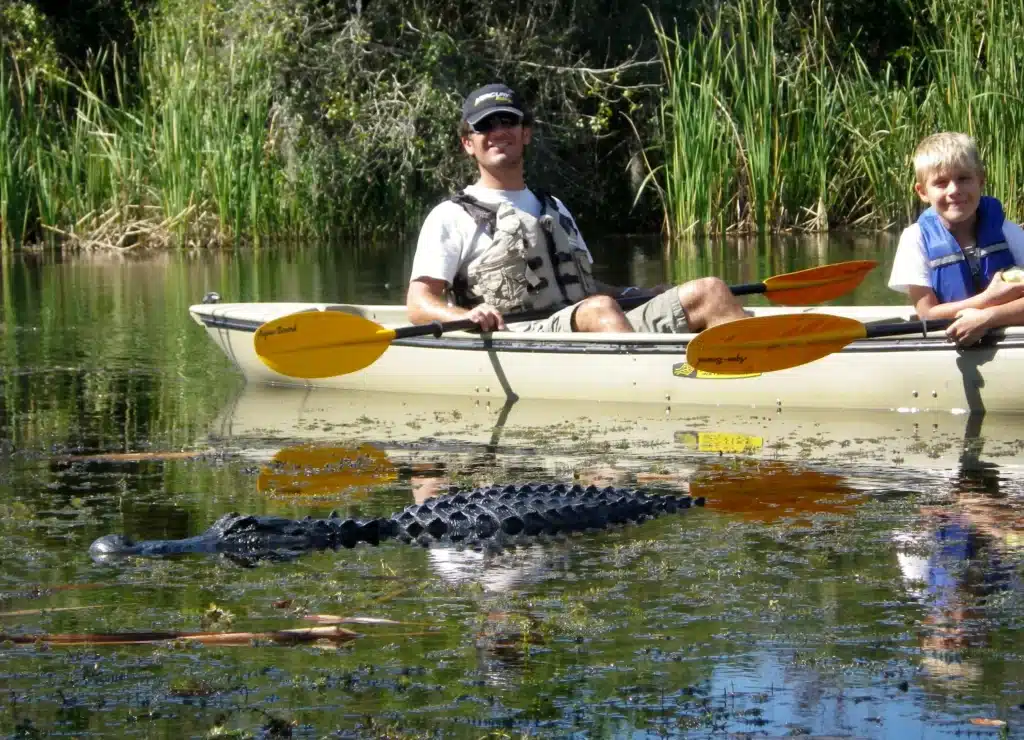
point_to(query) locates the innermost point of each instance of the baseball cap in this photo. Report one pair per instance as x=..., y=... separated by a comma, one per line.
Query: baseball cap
x=490, y=99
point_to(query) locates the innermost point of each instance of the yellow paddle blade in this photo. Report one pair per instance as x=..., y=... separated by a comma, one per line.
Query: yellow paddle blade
x=316, y=471
x=817, y=284
x=767, y=343
x=320, y=344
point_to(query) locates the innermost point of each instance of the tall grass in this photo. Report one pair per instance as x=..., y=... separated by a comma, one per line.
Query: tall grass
x=977, y=61
x=754, y=137
x=190, y=158
x=753, y=133
x=16, y=186
x=699, y=159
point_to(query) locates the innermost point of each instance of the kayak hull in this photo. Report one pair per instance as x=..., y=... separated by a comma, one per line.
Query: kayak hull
x=904, y=373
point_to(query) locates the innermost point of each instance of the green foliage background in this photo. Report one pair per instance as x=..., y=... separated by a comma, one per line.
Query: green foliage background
x=273, y=118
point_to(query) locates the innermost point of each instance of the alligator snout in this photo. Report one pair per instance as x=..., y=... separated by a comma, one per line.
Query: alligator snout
x=110, y=546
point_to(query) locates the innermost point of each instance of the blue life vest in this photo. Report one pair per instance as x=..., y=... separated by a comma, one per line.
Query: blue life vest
x=952, y=279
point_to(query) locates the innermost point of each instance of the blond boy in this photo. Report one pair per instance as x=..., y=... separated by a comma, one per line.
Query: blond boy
x=950, y=261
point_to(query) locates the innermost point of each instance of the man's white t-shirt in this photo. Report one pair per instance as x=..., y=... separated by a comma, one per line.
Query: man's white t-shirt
x=450, y=241
x=910, y=267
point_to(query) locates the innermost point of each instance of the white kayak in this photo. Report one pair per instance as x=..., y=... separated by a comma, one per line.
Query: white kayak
x=909, y=373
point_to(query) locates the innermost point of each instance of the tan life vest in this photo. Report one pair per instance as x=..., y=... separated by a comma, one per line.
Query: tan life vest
x=531, y=264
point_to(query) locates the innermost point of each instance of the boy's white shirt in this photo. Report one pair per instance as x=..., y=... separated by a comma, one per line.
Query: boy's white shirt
x=450, y=241
x=910, y=266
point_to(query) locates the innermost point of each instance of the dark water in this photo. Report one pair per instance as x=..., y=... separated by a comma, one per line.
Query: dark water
x=859, y=583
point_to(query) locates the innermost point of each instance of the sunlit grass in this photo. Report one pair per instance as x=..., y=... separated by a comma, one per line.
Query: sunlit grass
x=185, y=145
x=189, y=159
x=753, y=138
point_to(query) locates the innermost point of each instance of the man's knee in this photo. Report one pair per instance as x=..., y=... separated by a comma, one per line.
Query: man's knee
x=705, y=287
x=708, y=302
x=597, y=313
x=706, y=291
x=600, y=304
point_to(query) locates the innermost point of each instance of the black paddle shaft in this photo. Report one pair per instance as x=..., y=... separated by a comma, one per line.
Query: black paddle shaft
x=873, y=331
x=749, y=289
x=437, y=328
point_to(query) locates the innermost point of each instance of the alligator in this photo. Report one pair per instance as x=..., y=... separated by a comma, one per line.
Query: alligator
x=479, y=517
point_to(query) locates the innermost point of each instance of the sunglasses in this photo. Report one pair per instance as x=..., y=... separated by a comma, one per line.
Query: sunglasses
x=498, y=120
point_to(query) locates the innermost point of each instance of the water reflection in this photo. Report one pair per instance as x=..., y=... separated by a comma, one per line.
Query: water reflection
x=309, y=470
x=961, y=561
x=852, y=574
x=631, y=442
x=769, y=490
x=792, y=469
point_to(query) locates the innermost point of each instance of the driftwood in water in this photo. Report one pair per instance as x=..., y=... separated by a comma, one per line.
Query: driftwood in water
x=138, y=456
x=279, y=637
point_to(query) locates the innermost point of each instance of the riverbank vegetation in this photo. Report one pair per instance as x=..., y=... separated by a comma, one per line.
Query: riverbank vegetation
x=194, y=122
x=754, y=136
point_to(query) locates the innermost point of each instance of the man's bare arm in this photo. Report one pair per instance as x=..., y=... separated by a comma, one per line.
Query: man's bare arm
x=997, y=293
x=927, y=305
x=427, y=300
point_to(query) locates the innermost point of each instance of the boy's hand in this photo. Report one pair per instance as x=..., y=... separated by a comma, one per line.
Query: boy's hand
x=970, y=326
x=1012, y=275
x=999, y=291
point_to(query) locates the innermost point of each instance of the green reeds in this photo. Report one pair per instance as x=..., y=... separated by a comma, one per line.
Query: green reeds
x=699, y=137
x=976, y=58
x=814, y=138
x=746, y=134
x=189, y=159
x=16, y=186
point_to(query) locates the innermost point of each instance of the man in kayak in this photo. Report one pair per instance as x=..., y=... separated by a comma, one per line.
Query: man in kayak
x=498, y=248
x=952, y=261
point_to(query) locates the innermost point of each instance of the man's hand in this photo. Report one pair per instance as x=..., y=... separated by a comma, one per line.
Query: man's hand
x=487, y=317
x=999, y=291
x=970, y=326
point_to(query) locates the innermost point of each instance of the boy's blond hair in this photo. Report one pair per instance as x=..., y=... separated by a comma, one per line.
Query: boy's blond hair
x=945, y=151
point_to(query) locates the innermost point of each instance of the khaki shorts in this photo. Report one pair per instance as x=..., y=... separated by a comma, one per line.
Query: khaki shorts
x=663, y=314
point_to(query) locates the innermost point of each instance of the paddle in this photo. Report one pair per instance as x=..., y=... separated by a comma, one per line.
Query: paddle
x=810, y=286
x=305, y=345
x=765, y=343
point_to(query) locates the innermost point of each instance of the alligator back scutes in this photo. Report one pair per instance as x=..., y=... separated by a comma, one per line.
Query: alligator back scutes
x=479, y=515
x=483, y=513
